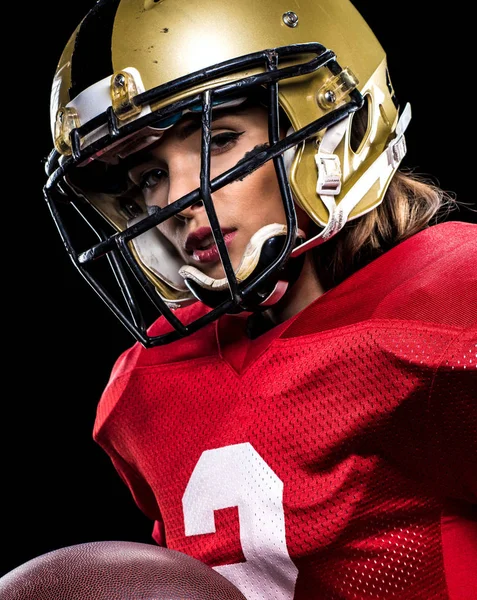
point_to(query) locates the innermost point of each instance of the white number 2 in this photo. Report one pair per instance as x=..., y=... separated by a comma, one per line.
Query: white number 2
x=238, y=476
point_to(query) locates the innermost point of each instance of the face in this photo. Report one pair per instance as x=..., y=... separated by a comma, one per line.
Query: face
x=171, y=168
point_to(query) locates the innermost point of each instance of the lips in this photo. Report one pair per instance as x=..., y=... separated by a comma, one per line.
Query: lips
x=202, y=238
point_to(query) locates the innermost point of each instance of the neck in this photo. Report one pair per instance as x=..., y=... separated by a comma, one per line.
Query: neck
x=305, y=290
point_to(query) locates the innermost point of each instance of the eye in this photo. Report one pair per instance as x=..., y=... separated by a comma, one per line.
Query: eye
x=223, y=141
x=151, y=178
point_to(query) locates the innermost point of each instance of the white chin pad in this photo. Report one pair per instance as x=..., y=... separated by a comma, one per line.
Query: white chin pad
x=247, y=264
x=159, y=256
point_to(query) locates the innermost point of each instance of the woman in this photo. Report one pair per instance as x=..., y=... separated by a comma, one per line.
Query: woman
x=301, y=416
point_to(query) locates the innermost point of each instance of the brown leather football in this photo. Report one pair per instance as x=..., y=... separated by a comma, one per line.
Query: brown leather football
x=116, y=570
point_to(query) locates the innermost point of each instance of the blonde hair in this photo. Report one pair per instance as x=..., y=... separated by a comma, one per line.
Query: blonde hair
x=412, y=203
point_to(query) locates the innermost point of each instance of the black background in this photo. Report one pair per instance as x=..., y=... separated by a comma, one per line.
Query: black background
x=60, y=341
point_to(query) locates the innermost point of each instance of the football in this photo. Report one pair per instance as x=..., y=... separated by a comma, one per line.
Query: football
x=107, y=570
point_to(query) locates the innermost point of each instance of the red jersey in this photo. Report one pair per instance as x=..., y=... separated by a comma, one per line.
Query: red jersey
x=332, y=457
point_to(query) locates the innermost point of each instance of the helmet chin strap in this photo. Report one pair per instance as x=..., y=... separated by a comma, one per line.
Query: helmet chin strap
x=263, y=248
x=330, y=176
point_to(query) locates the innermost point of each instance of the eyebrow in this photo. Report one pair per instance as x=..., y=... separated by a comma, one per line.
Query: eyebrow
x=190, y=123
x=193, y=121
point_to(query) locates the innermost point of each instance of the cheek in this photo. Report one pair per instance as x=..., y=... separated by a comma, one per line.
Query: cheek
x=263, y=188
x=168, y=230
x=155, y=198
x=264, y=199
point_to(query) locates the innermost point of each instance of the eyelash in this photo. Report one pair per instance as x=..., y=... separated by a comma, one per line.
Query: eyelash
x=229, y=137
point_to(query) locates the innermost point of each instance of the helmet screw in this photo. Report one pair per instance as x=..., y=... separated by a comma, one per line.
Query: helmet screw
x=290, y=19
x=330, y=97
x=120, y=80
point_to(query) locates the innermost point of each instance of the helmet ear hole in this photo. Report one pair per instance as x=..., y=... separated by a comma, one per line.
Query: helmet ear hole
x=360, y=126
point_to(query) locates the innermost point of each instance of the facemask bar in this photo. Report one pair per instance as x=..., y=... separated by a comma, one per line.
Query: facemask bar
x=237, y=295
x=115, y=246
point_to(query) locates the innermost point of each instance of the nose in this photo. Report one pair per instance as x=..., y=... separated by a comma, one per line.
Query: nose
x=182, y=180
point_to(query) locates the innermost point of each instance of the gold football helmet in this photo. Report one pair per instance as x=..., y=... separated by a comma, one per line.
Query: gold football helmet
x=133, y=68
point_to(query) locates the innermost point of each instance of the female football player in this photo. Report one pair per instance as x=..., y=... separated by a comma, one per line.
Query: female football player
x=299, y=407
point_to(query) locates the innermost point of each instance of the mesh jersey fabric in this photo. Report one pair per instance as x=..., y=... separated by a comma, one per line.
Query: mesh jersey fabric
x=334, y=456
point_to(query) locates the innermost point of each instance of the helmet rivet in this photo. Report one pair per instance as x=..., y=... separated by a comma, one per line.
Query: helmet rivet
x=120, y=80
x=330, y=96
x=290, y=18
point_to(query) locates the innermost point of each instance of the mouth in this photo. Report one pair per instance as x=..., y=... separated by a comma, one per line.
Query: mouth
x=201, y=246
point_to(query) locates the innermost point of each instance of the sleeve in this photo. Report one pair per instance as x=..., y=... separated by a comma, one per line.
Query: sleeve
x=452, y=419
x=103, y=435
x=142, y=493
